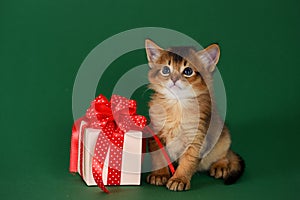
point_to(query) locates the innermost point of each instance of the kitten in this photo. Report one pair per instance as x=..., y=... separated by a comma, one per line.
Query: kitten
x=181, y=111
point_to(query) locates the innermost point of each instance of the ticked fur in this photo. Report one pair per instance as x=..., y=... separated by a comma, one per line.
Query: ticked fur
x=181, y=110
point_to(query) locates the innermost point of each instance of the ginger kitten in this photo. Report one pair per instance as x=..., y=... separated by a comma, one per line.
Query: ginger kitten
x=181, y=111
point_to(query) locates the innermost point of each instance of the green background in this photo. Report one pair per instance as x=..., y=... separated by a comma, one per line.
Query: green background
x=43, y=43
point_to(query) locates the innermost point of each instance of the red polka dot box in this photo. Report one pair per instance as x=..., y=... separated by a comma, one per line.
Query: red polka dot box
x=106, y=146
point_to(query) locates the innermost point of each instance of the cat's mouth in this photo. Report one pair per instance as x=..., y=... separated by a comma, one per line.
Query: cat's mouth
x=175, y=86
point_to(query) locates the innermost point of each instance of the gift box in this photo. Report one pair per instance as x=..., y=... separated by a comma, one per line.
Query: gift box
x=106, y=143
x=131, y=157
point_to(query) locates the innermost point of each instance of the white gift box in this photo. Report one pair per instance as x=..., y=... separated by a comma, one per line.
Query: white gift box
x=131, y=157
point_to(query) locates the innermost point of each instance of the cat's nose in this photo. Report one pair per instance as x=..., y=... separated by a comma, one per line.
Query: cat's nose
x=174, y=78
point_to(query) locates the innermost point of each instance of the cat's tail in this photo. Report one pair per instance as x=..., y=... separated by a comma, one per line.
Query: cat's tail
x=235, y=169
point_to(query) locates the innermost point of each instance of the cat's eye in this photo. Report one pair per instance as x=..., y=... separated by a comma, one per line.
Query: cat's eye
x=165, y=71
x=188, y=72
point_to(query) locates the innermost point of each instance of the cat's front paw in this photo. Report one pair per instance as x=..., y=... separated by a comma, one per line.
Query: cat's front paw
x=178, y=184
x=158, y=179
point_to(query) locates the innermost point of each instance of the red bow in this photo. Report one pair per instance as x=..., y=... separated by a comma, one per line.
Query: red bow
x=119, y=114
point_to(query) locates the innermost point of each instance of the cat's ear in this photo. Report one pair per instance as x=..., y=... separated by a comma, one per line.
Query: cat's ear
x=153, y=51
x=210, y=57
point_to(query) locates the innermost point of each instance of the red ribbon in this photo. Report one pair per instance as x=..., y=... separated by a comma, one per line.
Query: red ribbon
x=74, y=146
x=114, y=118
x=161, y=146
